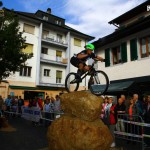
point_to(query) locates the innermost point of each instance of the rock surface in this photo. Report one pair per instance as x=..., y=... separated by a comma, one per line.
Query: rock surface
x=82, y=104
x=72, y=133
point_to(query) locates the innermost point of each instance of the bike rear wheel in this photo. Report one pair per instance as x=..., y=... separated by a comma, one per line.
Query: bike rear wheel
x=69, y=85
x=100, y=83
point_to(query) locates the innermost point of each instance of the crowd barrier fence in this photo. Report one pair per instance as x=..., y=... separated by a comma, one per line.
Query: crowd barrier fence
x=132, y=128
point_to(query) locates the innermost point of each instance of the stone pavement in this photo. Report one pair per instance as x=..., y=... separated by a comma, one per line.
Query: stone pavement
x=29, y=137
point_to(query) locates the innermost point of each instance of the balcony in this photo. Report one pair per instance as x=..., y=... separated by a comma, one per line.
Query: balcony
x=59, y=85
x=53, y=40
x=56, y=61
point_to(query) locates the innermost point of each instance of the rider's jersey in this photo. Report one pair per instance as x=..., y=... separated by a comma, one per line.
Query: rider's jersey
x=85, y=58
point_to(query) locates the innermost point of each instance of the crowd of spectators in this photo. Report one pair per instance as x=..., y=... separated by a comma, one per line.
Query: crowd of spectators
x=49, y=107
x=126, y=108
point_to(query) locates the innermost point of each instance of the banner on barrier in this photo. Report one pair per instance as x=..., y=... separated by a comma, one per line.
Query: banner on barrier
x=31, y=113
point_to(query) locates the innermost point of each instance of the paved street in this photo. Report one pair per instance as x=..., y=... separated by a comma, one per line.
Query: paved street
x=28, y=137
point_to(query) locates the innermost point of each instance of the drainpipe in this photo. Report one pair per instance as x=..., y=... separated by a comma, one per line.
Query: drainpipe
x=38, y=56
x=68, y=53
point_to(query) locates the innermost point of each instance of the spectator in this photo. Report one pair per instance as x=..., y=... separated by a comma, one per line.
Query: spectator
x=147, y=120
x=40, y=103
x=104, y=105
x=52, y=108
x=20, y=104
x=110, y=118
x=47, y=109
x=57, y=104
x=14, y=105
x=1, y=105
x=131, y=110
x=120, y=109
x=147, y=110
x=138, y=104
x=8, y=102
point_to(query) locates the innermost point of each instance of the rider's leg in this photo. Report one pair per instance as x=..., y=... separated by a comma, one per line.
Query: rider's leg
x=80, y=69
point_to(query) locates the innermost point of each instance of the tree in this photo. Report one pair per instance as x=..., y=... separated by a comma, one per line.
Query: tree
x=12, y=43
x=1, y=3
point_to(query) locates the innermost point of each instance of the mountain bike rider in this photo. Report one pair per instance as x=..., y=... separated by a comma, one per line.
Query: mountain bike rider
x=79, y=60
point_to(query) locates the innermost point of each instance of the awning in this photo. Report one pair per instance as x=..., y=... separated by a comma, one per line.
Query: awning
x=32, y=88
x=115, y=88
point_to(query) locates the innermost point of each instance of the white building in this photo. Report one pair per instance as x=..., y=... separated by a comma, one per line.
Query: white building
x=53, y=44
x=127, y=49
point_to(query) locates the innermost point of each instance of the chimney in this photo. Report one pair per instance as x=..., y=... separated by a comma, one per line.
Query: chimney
x=48, y=10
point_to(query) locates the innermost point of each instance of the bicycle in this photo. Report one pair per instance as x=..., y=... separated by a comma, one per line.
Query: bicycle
x=97, y=84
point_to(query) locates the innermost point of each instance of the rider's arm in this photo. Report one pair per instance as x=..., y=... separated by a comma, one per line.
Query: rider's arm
x=99, y=58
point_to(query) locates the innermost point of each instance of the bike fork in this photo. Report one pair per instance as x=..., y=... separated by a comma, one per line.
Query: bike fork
x=96, y=79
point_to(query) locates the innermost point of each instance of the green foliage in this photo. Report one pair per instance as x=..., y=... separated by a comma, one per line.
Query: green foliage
x=12, y=43
x=1, y=3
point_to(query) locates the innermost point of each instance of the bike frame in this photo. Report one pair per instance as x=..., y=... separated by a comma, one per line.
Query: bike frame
x=87, y=73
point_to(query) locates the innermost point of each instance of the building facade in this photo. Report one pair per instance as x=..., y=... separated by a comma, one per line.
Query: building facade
x=52, y=43
x=127, y=49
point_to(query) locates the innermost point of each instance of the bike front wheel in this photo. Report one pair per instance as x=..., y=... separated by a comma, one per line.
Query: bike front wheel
x=71, y=86
x=99, y=83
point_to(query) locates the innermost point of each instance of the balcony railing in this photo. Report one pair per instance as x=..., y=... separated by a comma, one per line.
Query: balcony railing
x=54, y=40
x=62, y=62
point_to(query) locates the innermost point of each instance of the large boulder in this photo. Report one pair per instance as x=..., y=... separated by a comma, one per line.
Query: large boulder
x=72, y=133
x=82, y=104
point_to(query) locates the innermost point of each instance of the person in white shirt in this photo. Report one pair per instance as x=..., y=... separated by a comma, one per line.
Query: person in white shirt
x=47, y=109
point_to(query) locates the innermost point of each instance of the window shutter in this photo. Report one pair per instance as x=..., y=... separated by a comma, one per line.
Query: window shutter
x=124, y=52
x=107, y=57
x=28, y=49
x=59, y=53
x=133, y=49
x=77, y=42
x=59, y=74
x=29, y=28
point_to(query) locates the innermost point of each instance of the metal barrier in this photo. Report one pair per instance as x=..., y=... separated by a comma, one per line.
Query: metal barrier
x=34, y=114
x=132, y=128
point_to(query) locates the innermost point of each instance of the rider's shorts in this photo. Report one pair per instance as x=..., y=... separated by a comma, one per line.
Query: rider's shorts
x=75, y=62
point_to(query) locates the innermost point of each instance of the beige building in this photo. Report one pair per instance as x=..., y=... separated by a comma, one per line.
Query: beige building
x=52, y=43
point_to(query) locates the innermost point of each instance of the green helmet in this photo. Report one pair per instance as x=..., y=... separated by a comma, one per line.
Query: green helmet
x=90, y=46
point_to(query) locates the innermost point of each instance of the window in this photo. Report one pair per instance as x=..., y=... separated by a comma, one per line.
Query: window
x=116, y=55
x=28, y=49
x=28, y=28
x=47, y=72
x=45, y=18
x=45, y=34
x=59, y=38
x=58, y=22
x=58, y=55
x=58, y=76
x=44, y=50
x=77, y=42
x=145, y=47
x=119, y=55
x=25, y=71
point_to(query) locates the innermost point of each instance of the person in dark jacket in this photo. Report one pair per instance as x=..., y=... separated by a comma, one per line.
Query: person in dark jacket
x=147, y=120
x=119, y=111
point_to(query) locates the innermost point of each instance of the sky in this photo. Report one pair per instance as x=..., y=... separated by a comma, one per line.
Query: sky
x=87, y=16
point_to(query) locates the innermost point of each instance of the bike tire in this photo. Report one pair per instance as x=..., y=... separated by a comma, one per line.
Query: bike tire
x=105, y=88
x=66, y=82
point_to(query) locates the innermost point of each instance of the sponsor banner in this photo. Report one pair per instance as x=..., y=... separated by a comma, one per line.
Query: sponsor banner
x=31, y=113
